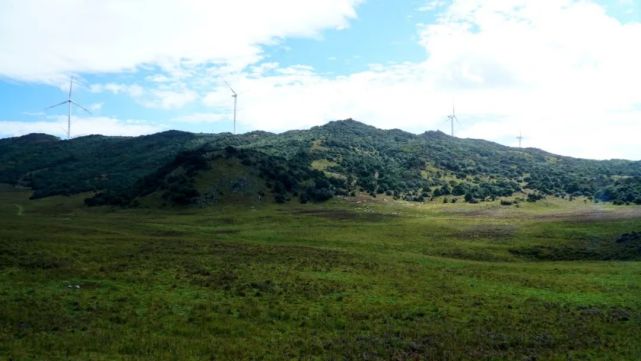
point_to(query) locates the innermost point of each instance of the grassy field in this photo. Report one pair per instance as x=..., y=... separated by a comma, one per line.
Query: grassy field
x=350, y=279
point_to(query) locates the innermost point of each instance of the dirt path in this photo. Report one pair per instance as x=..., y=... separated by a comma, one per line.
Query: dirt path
x=20, y=210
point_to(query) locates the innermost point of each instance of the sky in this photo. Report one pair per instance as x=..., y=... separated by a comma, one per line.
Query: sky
x=565, y=74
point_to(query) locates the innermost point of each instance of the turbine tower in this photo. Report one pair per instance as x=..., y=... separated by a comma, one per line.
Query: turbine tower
x=520, y=138
x=69, y=102
x=452, y=117
x=235, y=96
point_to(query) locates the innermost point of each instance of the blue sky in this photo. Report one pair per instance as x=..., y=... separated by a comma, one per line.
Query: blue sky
x=562, y=72
x=380, y=34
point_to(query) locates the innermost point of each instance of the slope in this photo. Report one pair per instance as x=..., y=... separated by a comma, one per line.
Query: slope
x=360, y=157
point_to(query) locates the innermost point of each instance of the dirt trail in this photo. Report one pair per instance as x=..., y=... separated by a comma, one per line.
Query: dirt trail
x=20, y=210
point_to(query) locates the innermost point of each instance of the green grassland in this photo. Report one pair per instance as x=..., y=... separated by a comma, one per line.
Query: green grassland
x=354, y=278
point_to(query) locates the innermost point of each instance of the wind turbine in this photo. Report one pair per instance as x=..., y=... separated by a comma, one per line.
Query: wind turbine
x=520, y=138
x=235, y=96
x=69, y=102
x=452, y=117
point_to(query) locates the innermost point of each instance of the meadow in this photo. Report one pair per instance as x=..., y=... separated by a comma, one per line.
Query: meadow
x=354, y=278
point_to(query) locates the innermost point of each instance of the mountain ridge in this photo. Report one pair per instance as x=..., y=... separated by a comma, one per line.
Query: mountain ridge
x=364, y=158
x=33, y=137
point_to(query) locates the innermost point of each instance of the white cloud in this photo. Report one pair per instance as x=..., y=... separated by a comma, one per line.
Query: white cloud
x=95, y=107
x=432, y=5
x=80, y=126
x=43, y=40
x=297, y=97
x=202, y=118
x=133, y=90
x=166, y=96
x=169, y=99
x=564, y=69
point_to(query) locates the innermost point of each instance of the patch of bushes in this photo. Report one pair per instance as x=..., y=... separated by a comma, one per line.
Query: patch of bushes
x=534, y=197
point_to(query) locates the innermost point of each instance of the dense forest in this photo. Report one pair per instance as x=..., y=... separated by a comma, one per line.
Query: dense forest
x=339, y=158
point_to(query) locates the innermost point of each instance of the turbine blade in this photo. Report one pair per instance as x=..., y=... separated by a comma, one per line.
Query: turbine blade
x=80, y=106
x=57, y=105
x=230, y=88
x=70, y=87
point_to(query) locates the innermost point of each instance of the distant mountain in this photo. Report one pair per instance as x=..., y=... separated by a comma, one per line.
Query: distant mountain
x=341, y=157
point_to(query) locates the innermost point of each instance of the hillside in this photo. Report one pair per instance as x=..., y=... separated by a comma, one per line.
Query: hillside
x=229, y=248
x=341, y=157
x=207, y=176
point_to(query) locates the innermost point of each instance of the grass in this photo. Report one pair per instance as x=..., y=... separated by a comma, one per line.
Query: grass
x=350, y=279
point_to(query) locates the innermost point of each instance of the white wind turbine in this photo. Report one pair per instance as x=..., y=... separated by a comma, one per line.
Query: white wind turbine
x=520, y=138
x=452, y=117
x=69, y=102
x=235, y=96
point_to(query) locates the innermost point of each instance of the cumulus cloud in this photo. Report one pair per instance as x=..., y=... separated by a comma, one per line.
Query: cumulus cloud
x=95, y=107
x=202, y=118
x=133, y=90
x=43, y=40
x=297, y=97
x=562, y=70
x=170, y=99
x=164, y=96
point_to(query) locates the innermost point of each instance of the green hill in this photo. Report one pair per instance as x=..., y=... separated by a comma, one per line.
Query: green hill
x=341, y=157
x=207, y=176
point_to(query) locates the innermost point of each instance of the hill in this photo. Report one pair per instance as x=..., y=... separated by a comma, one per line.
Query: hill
x=207, y=176
x=204, y=263
x=341, y=157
